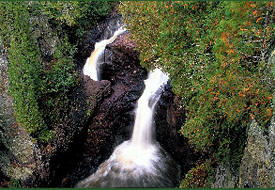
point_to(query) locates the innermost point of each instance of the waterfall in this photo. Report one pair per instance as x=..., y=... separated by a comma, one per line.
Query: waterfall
x=140, y=161
x=144, y=114
x=91, y=66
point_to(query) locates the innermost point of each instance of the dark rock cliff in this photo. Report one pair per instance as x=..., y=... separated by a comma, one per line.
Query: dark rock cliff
x=169, y=118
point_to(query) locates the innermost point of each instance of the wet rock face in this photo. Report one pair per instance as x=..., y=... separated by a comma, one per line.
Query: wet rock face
x=169, y=118
x=103, y=30
x=122, y=62
x=258, y=163
x=73, y=134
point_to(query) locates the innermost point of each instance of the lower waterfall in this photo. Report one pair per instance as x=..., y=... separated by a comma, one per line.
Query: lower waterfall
x=140, y=161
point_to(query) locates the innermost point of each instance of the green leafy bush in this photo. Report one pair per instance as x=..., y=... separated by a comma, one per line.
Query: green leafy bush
x=24, y=70
x=75, y=12
x=199, y=176
x=15, y=183
x=76, y=17
x=60, y=77
x=214, y=52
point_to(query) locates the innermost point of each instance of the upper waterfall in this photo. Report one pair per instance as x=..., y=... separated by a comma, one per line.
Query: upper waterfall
x=91, y=66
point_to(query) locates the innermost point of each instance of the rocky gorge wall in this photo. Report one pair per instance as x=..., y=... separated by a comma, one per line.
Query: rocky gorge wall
x=102, y=117
x=257, y=165
x=113, y=112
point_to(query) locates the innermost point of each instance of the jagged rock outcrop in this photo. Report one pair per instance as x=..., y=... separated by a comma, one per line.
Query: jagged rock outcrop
x=169, y=118
x=224, y=177
x=257, y=168
x=44, y=35
x=258, y=163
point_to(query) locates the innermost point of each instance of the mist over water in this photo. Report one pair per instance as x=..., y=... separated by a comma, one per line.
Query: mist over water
x=140, y=161
x=91, y=67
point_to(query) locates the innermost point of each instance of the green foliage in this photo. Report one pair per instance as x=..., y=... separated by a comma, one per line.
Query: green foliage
x=15, y=183
x=199, y=176
x=60, y=77
x=62, y=12
x=214, y=53
x=76, y=17
x=75, y=12
x=24, y=70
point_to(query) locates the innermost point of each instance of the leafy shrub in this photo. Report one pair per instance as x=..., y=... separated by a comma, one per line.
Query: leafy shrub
x=75, y=12
x=199, y=176
x=24, y=69
x=61, y=76
x=214, y=52
x=15, y=183
x=76, y=17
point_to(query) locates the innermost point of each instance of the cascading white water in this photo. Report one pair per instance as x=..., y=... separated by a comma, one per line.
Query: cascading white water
x=140, y=161
x=91, y=66
x=139, y=153
x=144, y=114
